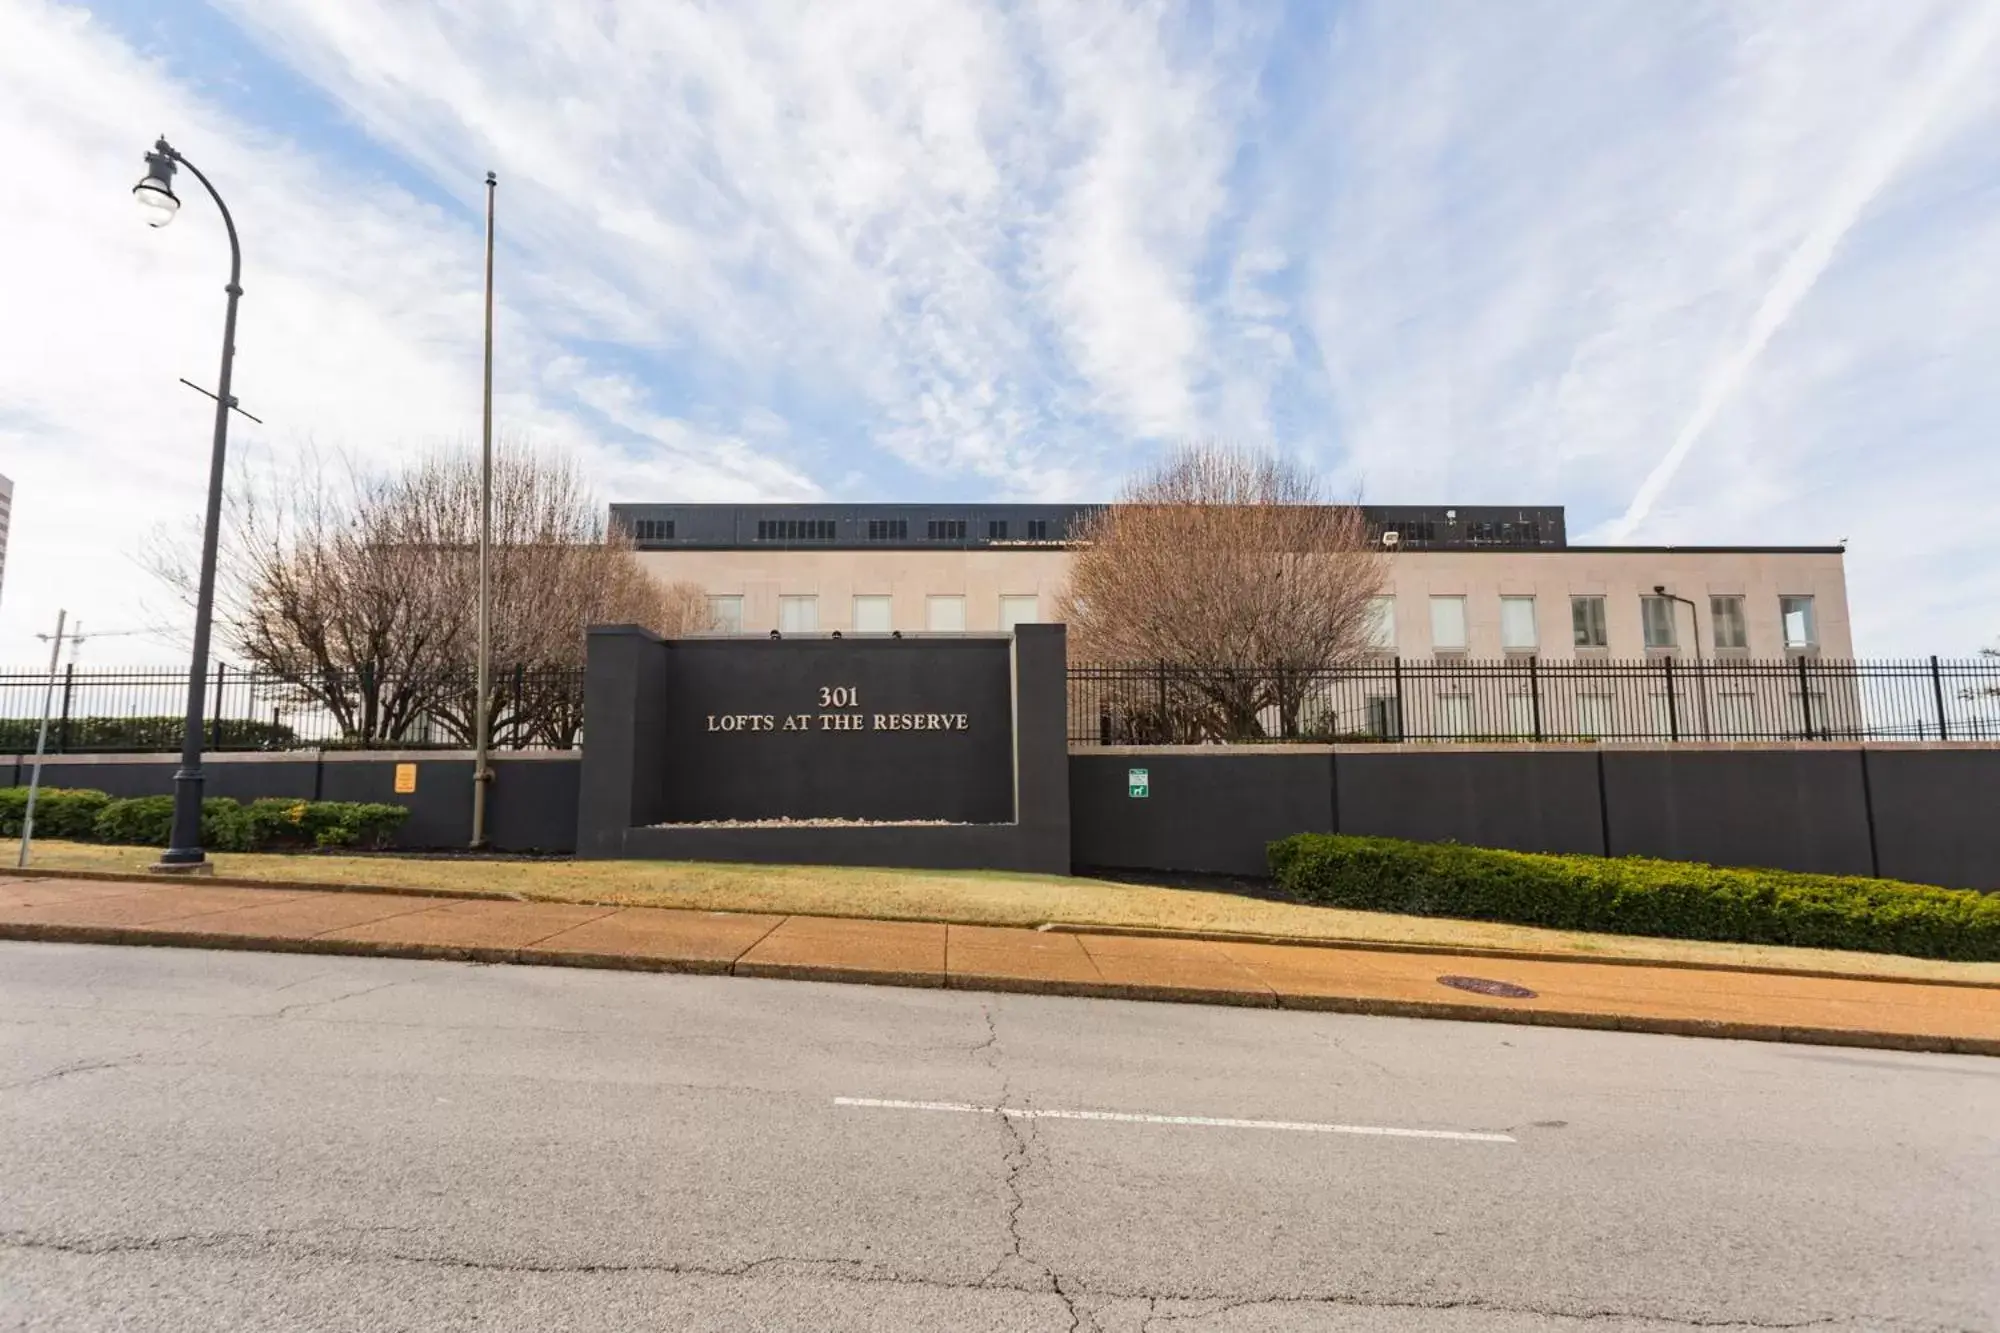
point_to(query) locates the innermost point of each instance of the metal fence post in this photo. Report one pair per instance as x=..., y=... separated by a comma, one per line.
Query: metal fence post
x=215, y=731
x=1535, y=694
x=1166, y=726
x=516, y=705
x=1401, y=731
x=1805, y=698
x=1673, y=705
x=1937, y=692
x=69, y=689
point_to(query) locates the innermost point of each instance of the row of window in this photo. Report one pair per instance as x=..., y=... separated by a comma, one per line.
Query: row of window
x=1722, y=713
x=1423, y=532
x=824, y=529
x=1658, y=619
x=872, y=613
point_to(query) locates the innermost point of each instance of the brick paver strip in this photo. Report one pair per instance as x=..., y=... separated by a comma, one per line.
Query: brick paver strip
x=1766, y=1006
x=658, y=939
x=149, y=906
x=36, y=892
x=996, y=958
x=892, y=953
x=472, y=925
x=1138, y=968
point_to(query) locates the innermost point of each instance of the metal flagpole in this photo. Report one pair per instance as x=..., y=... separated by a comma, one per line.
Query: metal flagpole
x=482, y=772
x=41, y=741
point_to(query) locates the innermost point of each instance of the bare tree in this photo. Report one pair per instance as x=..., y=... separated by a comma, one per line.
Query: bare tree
x=360, y=591
x=1232, y=573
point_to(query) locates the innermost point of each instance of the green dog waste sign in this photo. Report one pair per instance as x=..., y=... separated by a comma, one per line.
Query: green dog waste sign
x=1137, y=782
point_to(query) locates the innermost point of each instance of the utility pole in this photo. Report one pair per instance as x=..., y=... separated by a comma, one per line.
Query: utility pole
x=482, y=770
x=41, y=741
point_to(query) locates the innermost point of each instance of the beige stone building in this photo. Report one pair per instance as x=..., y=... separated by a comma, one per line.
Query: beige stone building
x=1490, y=625
x=1464, y=583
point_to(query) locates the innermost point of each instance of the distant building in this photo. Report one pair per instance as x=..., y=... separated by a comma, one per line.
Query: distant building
x=1464, y=582
x=6, y=517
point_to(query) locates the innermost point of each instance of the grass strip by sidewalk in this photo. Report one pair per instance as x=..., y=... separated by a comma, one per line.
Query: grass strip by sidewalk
x=972, y=898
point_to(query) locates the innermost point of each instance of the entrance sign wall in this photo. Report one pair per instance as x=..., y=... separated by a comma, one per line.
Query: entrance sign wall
x=945, y=752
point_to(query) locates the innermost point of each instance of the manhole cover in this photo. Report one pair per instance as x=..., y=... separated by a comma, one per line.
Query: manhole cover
x=1506, y=990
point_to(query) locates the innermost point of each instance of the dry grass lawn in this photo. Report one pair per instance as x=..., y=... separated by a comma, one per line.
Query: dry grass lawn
x=963, y=897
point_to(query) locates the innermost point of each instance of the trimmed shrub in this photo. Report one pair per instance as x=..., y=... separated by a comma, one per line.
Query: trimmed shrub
x=60, y=812
x=1636, y=896
x=226, y=825
x=280, y=823
x=148, y=821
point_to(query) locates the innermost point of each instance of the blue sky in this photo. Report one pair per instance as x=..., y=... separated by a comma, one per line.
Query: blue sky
x=1704, y=273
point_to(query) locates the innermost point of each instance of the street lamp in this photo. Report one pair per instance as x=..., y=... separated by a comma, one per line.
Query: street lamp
x=155, y=195
x=1694, y=622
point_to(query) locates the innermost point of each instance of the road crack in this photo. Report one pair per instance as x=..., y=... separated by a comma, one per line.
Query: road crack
x=1028, y=1279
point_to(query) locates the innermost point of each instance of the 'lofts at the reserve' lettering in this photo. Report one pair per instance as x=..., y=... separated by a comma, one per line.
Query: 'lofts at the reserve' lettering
x=921, y=722
x=839, y=722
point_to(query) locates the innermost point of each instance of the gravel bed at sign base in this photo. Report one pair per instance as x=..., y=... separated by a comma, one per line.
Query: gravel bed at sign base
x=807, y=823
x=1635, y=896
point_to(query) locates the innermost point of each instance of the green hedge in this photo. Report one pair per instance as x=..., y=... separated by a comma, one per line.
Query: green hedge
x=60, y=812
x=226, y=825
x=159, y=734
x=1635, y=896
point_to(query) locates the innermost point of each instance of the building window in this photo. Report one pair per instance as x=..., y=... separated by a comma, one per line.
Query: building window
x=653, y=530
x=1038, y=529
x=1517, y=624
x=1448, y=624
x=946, y=530
x=1586, y=615
x=725, y=615
x=794, y=529
x=945, y=615
x=1656, y=614
x=1382, y=624
x=888, y=529
x=996, y=529
x=1801, y=628
x=1025, y=609
x=1385, y=717
x=1725, y=623
x=873, y=614
x=798, y=615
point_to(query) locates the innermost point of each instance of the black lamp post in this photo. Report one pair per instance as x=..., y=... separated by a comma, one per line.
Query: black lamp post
x=1694, y=622
x=155, y=194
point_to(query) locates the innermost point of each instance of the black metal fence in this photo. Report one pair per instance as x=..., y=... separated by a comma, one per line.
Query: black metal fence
x=1528, y=699
x=142, y=709
x=1663, y=699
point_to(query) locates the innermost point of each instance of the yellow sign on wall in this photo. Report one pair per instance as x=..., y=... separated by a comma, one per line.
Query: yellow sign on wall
x=406, y=779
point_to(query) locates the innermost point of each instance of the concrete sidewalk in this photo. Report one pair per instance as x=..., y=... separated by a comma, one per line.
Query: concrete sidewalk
x=1905, y=1015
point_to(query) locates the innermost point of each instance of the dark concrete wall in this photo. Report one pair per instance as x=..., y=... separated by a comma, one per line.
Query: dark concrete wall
x=1209, y=810
x=652, y=768
x=1927, y=814
x=1527, y=801
x=1937, y=814
x=1785, y=809
x=533, y=803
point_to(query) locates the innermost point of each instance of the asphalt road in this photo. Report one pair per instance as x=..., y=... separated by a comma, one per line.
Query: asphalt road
x=210, y=1141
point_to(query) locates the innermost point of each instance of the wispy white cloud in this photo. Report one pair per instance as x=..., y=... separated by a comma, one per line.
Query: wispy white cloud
x=1887, y=147
x=359, y=327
